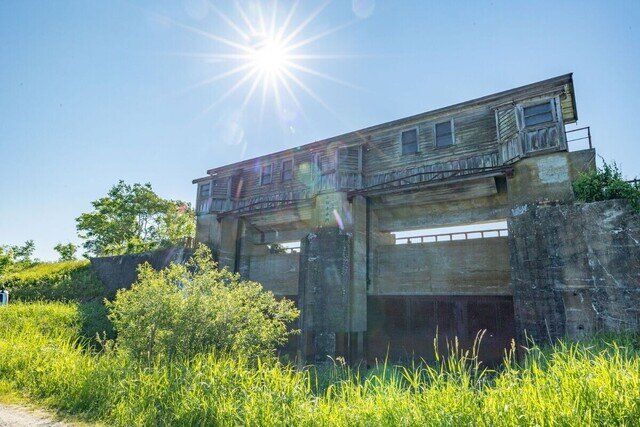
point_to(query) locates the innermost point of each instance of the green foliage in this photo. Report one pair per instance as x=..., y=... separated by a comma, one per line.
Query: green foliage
x=13, y=258
x=133, y=218
x=590, y=384
x=62, y=281
x=197, y=308
x=67, y=252
x=605, y=183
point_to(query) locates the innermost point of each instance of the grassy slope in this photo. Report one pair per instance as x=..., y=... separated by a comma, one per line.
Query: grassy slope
x=594, y=384
x=63, y=281
x=59, y=281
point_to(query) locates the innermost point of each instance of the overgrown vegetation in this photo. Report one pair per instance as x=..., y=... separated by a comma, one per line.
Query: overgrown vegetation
x=605, y=183
x=595, y=383
x=195, y=308
x=133, y=218
x=14, y=257
x=61, y=281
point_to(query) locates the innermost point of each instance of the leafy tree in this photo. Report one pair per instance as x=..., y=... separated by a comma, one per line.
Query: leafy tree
x=194, y=308
x=16, y=257
x=605, y=183
x=67, y=252
x=133, y=218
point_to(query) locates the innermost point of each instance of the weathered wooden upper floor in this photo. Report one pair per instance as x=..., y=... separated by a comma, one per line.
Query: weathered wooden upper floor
x=480, y=136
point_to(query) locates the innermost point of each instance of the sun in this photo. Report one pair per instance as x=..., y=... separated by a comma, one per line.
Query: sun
x=267, y=52
x=270, y=56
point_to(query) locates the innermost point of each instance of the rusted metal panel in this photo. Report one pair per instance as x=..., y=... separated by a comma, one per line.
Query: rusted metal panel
x=402, y=328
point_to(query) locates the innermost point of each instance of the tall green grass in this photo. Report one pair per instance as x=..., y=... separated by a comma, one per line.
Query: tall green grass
x=594, y=383
x=56, y=281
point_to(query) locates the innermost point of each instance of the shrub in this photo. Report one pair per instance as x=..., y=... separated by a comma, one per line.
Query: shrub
x=605, y=183
x=60, y=281
x=195, y=308
x=589, y=384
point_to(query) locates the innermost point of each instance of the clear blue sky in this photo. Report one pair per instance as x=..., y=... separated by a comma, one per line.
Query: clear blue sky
x=96, y=91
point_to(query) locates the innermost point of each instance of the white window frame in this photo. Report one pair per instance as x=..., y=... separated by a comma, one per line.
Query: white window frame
x=453, y=133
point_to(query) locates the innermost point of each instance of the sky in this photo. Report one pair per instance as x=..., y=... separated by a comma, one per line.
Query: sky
x=92, y=92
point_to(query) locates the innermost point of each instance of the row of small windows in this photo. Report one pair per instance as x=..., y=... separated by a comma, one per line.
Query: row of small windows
x=443, y=137
x=266, y=174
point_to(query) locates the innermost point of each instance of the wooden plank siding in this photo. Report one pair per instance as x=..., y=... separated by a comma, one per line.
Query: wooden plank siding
x=487, y=133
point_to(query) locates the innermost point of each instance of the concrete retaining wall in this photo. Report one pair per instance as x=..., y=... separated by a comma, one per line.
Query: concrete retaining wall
x=118, y=272
x=575, y=269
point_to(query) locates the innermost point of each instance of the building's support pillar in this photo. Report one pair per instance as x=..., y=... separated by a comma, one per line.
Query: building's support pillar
x=358, y=286
x=208, y=231
x=229, y=235
x=325, y=275
x=333, y=280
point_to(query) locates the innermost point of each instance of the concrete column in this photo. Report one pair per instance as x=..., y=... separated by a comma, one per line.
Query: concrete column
x=325, y=276
x=358, y=288
x=228, y=242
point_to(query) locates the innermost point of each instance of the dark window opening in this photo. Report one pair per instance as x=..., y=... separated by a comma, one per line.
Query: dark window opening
x=444, y=134
x=287, y=170
x=205, y=189
x=537, y=114
x=265, y=176
x=409, y=141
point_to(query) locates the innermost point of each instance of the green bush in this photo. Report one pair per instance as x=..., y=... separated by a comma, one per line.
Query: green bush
x=196, y=308
x=605, y=183
x=59, y=281
x=590, y=384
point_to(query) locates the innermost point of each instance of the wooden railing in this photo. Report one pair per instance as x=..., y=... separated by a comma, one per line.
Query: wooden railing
x=448, y=237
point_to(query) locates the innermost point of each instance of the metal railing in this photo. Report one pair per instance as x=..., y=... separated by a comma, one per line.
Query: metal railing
x=276, y=248
x=448, y=237
x=585, y=134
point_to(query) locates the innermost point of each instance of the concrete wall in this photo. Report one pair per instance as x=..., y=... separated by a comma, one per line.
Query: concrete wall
x=118, y=272
x=278, y=273
x=464, y=267
x=575, y=269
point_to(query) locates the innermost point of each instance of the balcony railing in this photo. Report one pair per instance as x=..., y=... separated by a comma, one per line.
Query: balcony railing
x=580, y=134
x=448, y=237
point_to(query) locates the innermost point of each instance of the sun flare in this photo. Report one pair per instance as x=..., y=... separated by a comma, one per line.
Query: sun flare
x=266, y=52
x=270, y=56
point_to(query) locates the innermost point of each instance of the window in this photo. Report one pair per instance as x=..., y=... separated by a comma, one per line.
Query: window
x=265, y=176
x=537, y=114
x=205, y=189
x=409, y=139
x=444, y=134
x=287, y=170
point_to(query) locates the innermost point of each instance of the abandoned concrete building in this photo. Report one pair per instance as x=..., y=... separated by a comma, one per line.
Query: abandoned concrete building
x=390, y=236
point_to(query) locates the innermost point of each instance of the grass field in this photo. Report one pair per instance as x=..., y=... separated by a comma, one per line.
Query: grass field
x=45, y=359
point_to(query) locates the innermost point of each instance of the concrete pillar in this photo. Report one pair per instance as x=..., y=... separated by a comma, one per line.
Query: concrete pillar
x=228, y=242
x=358, y=285
x=325, y=276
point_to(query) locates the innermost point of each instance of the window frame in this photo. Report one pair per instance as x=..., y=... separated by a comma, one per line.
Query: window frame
x=282, y=178
x=402, y=132
x=550, y=102
x=453, y=133
x=262, y=174
x=208, y=185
